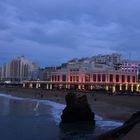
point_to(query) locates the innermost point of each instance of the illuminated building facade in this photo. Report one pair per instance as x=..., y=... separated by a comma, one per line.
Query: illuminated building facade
x=131, y=66
x=89, y=80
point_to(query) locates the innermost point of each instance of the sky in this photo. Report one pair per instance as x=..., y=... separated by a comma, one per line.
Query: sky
x=51, y=32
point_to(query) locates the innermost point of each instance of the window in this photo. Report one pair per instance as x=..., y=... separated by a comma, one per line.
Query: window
x=52, y=77
x=117, y=78
x=111, y=78
x=134, y=79
x=63, y=77
x=87, y=77
x=55, y=78
x=123, y=78
x=99, y=78
x=94, y=77
x=58, y=78
x=128, y=79
x=77, y=78
x=103, y=77
x=71, y=78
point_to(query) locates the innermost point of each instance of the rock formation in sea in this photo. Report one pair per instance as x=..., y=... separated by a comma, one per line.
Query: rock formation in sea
x=77, y=109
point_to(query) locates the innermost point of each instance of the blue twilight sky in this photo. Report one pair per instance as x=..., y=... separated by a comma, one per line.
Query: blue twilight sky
x=51, y=32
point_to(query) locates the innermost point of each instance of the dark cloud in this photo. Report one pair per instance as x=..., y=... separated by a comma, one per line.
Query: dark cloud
x=53, y=31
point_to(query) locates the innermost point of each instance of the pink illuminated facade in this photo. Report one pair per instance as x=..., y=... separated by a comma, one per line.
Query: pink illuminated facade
x=89, y=80
x=94, y=77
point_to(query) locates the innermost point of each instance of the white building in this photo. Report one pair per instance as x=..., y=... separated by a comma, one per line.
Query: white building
x=17, y=70
x=113, y=58
x=98, y=62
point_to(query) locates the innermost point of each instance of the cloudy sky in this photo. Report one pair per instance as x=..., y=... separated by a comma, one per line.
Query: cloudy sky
x=51, y=32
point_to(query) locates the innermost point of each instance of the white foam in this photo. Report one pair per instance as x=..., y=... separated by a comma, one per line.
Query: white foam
x=56, y=111
x=10, y=96
x=106, y=123
x=98, y=118
x=47, y=102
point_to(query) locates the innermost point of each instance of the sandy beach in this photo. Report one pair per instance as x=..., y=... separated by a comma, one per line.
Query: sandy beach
x=112, y=107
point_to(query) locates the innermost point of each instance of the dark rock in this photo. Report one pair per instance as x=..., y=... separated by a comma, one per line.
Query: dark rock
x=135, y=118
x=121, y=131
x=77, y=109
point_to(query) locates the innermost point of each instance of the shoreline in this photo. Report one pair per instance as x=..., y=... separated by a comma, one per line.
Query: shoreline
x=117, y=108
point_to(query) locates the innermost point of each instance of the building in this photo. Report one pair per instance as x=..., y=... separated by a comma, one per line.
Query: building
x=97, y=72
x=88, y=80
x=108, y=59
x=131, y=66
x=86, y=75
x=17, y=70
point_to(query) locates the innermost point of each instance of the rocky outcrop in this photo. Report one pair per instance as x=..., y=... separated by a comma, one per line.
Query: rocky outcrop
x=121, y=131
x=77, y=109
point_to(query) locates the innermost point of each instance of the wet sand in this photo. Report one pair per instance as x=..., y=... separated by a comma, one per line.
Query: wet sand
x=112, y=107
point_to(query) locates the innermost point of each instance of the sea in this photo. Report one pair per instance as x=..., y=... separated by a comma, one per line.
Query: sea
x=34, y=119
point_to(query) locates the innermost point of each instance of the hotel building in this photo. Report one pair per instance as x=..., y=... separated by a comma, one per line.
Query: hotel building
x=17, y=70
